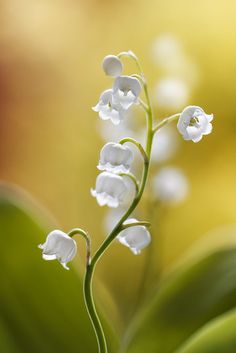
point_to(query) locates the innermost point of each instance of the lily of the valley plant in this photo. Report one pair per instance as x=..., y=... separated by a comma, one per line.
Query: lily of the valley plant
x=111, y=188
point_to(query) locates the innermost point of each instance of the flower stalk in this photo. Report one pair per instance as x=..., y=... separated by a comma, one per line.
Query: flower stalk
x=115, y=163
x=88, y=293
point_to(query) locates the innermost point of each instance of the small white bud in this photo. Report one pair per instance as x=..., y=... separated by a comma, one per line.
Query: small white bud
x=112, y=66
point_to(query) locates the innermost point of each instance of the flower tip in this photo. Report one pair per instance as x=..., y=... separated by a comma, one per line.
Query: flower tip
x=65, y=266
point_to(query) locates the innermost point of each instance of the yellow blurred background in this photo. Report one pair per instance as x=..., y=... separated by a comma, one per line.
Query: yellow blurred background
x=50, y=77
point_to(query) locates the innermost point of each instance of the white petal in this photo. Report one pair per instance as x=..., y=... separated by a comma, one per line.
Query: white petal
x=49, y=257
x=208, y=129
x=65, y=266
x=110, y=189
x=115, y=157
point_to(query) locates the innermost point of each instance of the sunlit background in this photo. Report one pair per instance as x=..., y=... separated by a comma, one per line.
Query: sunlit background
x=51, y=76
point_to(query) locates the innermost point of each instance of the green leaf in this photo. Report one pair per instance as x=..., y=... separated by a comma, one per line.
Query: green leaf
x=218, y=336
x=41, y=304
x=186, y=300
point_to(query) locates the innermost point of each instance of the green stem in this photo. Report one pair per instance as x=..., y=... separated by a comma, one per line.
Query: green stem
x=137, y=144
x=166, y=122
x=86, y=236
x=88, y=294
x=132, y=178
x=135, y=224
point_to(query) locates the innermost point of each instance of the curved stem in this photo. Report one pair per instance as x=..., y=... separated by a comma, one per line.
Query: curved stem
x=91, y=309
x=86, y=236
x=143, y=105
x=133, y=178
x=137, y=144
x=88, y=294
x=165, y=121
x=135, y=224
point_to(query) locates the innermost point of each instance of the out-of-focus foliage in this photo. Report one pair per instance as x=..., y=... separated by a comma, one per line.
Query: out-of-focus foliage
x=187, y=300
x=216, y=337
x=41, y=305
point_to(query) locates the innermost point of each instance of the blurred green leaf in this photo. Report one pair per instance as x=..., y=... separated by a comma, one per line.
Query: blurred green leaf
x=218, y=336
x=189, y=298
x=41, y=304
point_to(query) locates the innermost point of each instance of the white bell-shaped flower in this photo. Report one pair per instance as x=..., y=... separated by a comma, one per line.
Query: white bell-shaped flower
x=135, y=238
x=108, y=108
x=126, y=91
x=194, y=123
x=112, y=66
x=59, y=246
x=116, y=158
x=110, y=189
x=170, y=185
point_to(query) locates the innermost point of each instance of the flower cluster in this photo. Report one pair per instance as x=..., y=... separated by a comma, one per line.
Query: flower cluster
x=115, y=158
x=115, y=182
x=116, y=101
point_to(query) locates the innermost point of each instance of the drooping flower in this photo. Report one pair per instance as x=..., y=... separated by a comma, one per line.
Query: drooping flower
x=172, y=93
x=59, y=246
x=170, y=185
x=112, y=66
x=110, y=189
x=135, y=238
x=194, y=123
x=116, y=158
x=108, y=108
x=126, y=91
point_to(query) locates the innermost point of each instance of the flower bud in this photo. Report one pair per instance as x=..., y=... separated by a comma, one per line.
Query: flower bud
x=112, y=65
x=194, y=123
x=136, y=238
x=110, y=189
x=59, y=246
x=116, y=158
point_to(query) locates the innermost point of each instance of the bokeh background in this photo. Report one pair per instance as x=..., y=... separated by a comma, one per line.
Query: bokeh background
x=50, y=77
